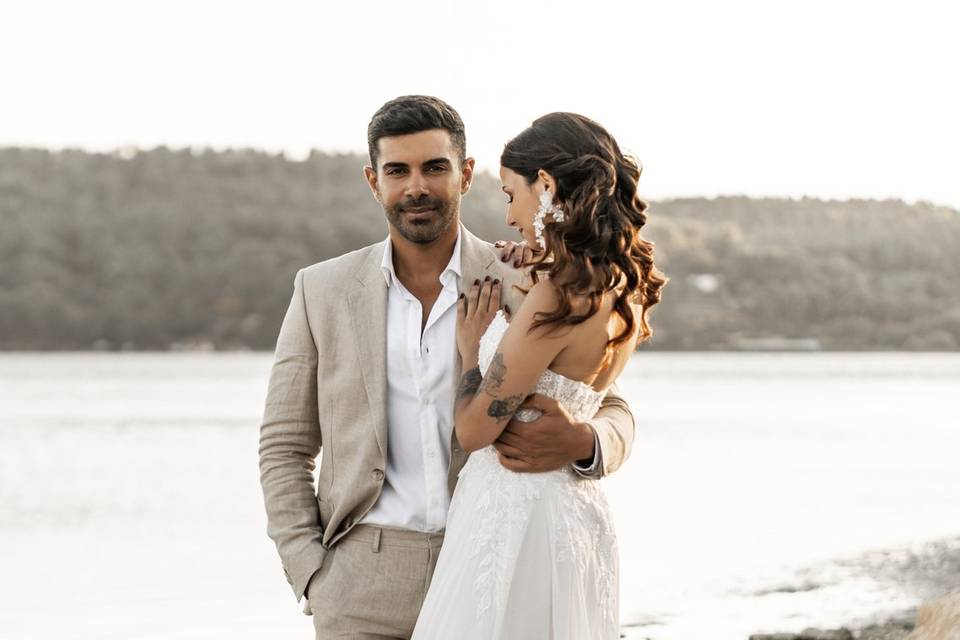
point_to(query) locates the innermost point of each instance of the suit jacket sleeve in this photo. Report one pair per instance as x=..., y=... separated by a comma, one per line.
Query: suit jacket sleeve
x=289, y=444
x=614, y=426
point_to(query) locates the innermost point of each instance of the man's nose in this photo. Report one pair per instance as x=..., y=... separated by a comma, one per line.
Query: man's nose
x=416, y=185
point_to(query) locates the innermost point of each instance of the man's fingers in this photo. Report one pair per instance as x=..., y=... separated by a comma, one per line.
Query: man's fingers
x=509, y=438
x=508, y=449
x=514, y=464
x=541, y=402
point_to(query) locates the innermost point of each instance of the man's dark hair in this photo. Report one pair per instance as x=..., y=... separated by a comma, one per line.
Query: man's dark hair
x=412, y=114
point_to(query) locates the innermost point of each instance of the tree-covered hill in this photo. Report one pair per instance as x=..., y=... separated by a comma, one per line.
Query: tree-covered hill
x=164, y=248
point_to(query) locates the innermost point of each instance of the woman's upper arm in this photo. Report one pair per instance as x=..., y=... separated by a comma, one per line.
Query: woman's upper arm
x=519, y=361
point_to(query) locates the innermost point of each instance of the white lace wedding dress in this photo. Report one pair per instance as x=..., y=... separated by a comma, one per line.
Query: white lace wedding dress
x=525, y=556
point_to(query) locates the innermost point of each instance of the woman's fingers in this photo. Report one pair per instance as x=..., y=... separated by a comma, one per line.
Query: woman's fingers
x=483, y=303
x=494, y=297
x=483, y=297
x=511, y=251
x=521, y=255
x=473, y=298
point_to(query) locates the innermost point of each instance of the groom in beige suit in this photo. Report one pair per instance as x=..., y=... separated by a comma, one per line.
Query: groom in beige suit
x=364, y=376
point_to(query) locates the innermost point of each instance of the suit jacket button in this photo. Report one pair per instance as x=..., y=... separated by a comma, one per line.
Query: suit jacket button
x=378, y=474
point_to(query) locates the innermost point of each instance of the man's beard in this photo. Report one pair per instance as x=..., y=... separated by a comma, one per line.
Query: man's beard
x=427, y=229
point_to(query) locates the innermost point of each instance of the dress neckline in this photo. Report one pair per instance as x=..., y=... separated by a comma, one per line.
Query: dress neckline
x=583, y=385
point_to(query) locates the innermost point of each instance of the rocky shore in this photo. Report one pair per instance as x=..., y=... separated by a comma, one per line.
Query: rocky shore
x=930, y=570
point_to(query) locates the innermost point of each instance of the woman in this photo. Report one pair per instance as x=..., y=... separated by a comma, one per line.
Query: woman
x=534, y=556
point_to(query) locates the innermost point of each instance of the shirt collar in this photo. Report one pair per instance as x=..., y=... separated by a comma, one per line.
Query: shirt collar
x=448, y=277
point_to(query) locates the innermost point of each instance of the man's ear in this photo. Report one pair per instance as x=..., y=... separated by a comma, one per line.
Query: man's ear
x=466, y=175
x=370, y=175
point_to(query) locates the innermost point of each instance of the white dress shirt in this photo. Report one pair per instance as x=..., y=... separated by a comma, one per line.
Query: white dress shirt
x=420, y=388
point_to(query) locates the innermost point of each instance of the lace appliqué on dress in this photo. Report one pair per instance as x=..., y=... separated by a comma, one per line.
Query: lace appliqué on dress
x=583, y=530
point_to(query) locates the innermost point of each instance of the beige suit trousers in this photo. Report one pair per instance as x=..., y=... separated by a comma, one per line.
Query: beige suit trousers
x=372, y=583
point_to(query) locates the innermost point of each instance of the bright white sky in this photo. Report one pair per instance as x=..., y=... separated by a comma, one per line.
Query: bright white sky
x=827, y=99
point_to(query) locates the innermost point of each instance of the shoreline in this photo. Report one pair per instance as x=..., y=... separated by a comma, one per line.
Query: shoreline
x=928, y=570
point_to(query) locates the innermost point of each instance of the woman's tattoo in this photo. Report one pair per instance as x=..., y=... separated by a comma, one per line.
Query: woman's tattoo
x=496, y=372
x=504, y=409
x=469, y=383
x=472, y=382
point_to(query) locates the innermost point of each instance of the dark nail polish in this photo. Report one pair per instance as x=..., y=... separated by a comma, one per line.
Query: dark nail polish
x=496, y=281
x=486, y=279
x=476, y=282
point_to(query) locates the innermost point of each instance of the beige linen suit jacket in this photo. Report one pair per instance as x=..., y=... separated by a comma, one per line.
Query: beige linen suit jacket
x=327, y=397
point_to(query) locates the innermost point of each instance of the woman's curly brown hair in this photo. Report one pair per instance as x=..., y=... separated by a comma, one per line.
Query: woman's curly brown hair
x=598, y=244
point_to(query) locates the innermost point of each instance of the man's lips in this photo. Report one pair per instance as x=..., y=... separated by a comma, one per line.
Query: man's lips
x=420, y=212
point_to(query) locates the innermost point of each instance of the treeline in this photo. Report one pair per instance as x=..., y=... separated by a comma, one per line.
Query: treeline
x=184, y=248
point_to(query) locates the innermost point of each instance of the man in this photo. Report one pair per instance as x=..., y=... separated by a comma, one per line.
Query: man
x=364, y=375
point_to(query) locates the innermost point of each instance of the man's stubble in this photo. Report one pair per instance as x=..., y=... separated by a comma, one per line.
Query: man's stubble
x=428, y=230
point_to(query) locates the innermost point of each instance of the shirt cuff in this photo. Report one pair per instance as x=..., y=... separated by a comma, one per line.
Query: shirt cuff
x=592, y=470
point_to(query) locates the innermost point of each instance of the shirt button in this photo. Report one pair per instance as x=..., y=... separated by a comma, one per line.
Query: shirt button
x=378, y=474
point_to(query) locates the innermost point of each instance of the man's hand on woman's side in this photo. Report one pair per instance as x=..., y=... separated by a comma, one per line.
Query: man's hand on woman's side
x=550, y=442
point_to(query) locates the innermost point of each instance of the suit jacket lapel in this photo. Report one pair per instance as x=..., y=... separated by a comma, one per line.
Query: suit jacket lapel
x=367, y=305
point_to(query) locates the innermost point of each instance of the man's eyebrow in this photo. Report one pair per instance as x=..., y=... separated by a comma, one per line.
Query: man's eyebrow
x=432, y=161
x=392, y=165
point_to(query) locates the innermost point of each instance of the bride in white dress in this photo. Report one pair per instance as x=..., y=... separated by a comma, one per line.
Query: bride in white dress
x=534, y=556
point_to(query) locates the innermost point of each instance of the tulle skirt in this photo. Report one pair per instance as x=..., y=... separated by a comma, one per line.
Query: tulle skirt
x=524, y=557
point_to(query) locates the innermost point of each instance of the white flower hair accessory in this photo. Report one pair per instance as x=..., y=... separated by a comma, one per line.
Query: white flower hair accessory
x=546, y=206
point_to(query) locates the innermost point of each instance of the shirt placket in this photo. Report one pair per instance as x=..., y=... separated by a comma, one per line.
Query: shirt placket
x=419, y=368
x=432, y=437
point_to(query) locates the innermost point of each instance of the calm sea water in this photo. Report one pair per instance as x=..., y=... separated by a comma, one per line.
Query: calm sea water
x=130, y=504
